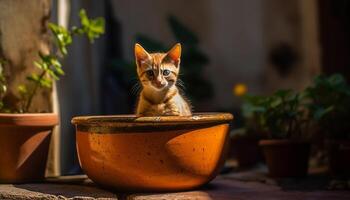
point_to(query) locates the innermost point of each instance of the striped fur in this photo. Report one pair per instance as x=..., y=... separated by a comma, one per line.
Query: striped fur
x=158, y=74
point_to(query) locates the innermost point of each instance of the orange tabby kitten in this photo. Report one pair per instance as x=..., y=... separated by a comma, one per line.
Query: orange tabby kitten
x=158, y=74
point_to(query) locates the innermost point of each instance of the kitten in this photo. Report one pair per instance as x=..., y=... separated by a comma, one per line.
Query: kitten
x=158, y=73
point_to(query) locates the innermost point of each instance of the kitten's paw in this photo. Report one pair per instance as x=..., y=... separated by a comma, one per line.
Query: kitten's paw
x=171, y=112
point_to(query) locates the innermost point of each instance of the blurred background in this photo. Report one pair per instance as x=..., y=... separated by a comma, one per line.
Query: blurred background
x=263, y=44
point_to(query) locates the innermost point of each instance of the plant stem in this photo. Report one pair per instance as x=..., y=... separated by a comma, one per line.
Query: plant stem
x=36, y=86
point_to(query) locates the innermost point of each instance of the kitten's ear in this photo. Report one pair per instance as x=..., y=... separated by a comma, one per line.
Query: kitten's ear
x=140, y=53
x=175, y=54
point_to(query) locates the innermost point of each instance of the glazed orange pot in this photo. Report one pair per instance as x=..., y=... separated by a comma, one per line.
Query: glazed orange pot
x=24, y=146
x=286, y=158
x=167, y=153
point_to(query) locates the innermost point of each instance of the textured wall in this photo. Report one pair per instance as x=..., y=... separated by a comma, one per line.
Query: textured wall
x=295, y=24
x=23, y=33
x=230, y=32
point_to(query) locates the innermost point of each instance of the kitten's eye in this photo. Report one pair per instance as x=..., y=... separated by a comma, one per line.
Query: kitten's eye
x=150, y=73
x=166, y=72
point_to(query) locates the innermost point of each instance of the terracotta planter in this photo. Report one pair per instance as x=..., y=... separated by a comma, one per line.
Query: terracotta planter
x=286, y=158
x=339, y=157
x=167, y=153
x=24, y=146
x=247, y=150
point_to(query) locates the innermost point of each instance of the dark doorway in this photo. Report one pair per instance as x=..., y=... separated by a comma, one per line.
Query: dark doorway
x=334, y=18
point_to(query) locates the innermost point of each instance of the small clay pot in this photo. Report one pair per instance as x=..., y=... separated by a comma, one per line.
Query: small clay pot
x=286, y=158
x=24, y=146
x=166, y=153
x=339, y=157
x=247, y=150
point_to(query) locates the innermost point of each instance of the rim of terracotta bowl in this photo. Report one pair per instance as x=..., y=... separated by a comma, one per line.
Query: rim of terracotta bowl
x=28, y=119
x=117, y=123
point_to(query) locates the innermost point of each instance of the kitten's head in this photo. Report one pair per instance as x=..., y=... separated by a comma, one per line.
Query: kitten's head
x=158, y=71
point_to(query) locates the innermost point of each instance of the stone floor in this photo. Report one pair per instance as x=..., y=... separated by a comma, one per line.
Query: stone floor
x=251, y=184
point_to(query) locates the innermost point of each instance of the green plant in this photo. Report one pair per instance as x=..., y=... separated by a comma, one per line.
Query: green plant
x=3, y=84
x=330, y=105
x=282, y=115
x=49, y=66
x=286, y=115
x=253, y=108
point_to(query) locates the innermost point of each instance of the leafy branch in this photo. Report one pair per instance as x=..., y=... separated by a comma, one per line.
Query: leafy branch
x=49, y=65
x=330, y=105
x=281, y=115
x=286, y=115
x=3, y=84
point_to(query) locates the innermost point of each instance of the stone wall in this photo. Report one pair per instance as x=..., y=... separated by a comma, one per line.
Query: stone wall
x=23, y=34
x=291, y=39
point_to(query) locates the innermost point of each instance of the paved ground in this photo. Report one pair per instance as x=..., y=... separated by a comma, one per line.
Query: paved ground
x=251, y=184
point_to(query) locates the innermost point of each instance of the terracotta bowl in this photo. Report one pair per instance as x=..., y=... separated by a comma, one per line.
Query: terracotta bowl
x=167, y=153
x=286, y=158
x=24, y=146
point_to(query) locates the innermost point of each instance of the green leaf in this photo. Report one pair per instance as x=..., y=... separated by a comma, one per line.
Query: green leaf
x=93, y=28
x=83, y=17
x=283, y=93
x=275, y=102
x=42, y=64
x=337, y=79
x=321, y=112
x=97, y=25
x=53, y=75
x=33, y=77
x=44, y=82
x=78, y=31
x=59, y=71
x=249, y=110
x=54, y=61
x=38, y=64
x=22, y=89
x=62, y=35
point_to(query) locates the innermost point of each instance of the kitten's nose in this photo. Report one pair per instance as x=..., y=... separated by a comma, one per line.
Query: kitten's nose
x=159, y=84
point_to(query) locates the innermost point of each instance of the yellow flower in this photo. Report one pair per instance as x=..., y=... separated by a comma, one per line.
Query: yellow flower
x=240, y=89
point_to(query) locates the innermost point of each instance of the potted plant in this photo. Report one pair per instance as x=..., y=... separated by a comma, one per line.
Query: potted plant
x=286, y=150
x=25, y=136
x=244, y=141
x=330, y=108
